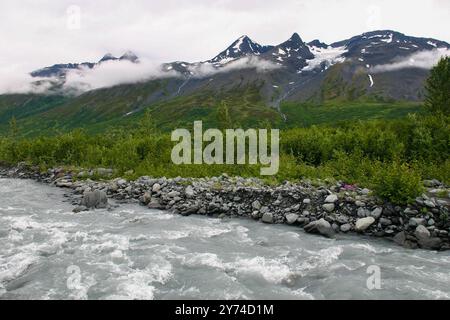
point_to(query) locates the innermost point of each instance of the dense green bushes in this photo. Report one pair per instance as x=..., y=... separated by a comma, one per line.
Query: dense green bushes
x=391, y=157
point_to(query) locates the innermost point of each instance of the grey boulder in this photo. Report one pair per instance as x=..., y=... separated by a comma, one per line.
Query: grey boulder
x=94, y=199
x=321, y=226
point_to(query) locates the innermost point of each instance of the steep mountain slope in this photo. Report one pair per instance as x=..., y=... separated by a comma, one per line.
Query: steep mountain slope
x=255, y=81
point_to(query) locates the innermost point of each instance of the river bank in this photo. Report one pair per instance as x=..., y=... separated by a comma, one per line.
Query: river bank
x=325, y=209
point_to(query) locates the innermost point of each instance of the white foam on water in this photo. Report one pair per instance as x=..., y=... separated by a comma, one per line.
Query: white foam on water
x=12, y=267
x=105, y=243
x=272, y=270
x=436, y=294
x=203, y=259
x=80, y=292
x=139, y=284
x=320, y=259
x=369, y=248
x=173, y=234
x=302, y=294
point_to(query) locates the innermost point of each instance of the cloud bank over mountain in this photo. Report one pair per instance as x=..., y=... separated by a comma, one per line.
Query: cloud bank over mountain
x=422, y=60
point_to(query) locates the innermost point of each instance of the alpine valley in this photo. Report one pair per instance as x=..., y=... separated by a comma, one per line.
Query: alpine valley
x=378, y=74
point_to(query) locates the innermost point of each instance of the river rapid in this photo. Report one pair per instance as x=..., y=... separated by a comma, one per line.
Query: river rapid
x=131, y=252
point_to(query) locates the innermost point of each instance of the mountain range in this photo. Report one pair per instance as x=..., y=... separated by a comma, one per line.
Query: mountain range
x=254, y=80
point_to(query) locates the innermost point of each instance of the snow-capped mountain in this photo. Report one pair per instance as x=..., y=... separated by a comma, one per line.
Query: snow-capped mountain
x=300, y=70
x=60, y=70
x=255, y=80
x=242, y=47
x=380, y=47
x=292, y=53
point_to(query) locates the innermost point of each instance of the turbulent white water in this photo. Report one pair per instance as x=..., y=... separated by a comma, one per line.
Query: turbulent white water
x=48, y=252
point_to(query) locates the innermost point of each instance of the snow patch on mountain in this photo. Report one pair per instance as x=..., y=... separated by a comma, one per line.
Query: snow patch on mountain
x=325, y=57
x=371, y=80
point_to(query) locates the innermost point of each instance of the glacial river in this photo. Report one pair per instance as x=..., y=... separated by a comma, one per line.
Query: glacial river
x=48, y=252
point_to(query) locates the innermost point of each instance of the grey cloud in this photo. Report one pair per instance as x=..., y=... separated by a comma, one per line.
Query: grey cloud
x=34, y=34
x=422, y=60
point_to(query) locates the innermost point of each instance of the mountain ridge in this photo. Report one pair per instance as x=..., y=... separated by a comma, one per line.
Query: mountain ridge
x=253, y=79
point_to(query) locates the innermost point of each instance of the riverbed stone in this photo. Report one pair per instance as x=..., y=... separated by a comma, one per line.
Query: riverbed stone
x=79, y=209
x=332, y=198
x=189, y=191
x=156, y=187
x=422, y=232
x=376, y=213
x=359, y=203
x=430, y=243
x=429, y=204
x=364, y=223
x=385, y=222
x=256, y=205
x=94, y=199
x=346, y=227
x=291, y=218
x=414, y=222
x=321, y=226
x=267, y=217
x=329, y=207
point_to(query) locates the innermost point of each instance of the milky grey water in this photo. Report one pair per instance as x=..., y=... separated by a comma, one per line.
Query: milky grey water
x=48, y=252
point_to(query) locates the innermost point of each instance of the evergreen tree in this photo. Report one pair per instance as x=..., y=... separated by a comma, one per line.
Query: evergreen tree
x=437, y=99
x=13, y=127
x=223, y=116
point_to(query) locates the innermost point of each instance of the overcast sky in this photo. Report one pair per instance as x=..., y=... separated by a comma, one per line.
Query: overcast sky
x=36, y=33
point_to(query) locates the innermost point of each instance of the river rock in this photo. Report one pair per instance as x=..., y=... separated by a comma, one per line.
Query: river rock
x=364, y=223
x=321, y=226
x=189, y=191
x=429, y=204
x=405, y=240
x=362, y=212
x=376, y=213
x=422, y=232
x=329, y=207
x=360, y=204
x=385, y=222
x=267, y=217
x=256, y=205
x=146, y=198
x=173, y=194
x=291, y=218
x=400, y=238
x=156, y=187
x=95, y=199
x=79, y=209
x=154, y=204
x=346, y=228
x=430, y=243
x=121, y=182
x=431, y=183
x=414, y=222
x=332, y=198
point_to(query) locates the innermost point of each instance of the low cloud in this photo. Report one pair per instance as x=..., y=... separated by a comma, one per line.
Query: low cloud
x=112, y=73
x=14, y=80
x=251, y=62
x=422, y=60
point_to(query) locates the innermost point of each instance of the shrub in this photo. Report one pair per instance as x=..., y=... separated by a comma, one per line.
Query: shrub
x=397, y=183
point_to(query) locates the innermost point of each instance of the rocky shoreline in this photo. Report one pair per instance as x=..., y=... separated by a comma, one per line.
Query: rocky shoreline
x=325, y=209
